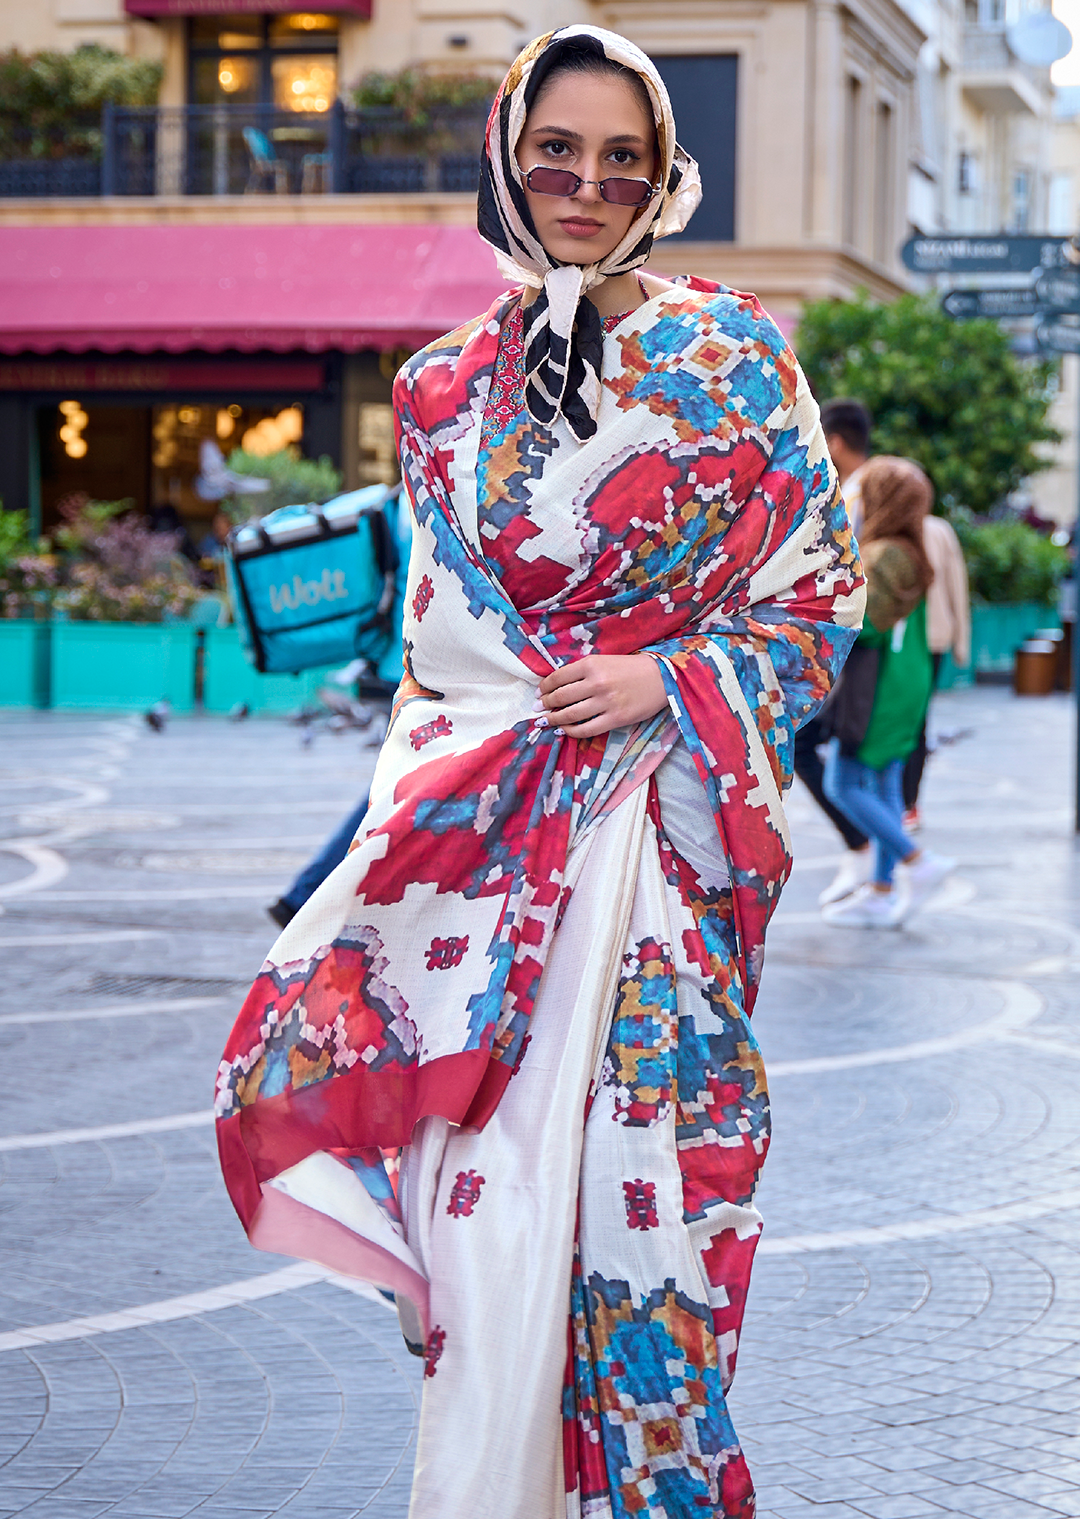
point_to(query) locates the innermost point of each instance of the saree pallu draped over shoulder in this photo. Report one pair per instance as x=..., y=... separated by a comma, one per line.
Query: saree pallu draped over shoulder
x=501, y=1064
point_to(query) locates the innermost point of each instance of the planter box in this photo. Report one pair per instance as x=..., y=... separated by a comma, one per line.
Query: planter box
x=24, y=663
x=231, y=678
x=122, y=666
x=997, y=631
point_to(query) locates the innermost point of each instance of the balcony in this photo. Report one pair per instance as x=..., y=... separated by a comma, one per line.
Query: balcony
x=995, y=80
x=228, y=150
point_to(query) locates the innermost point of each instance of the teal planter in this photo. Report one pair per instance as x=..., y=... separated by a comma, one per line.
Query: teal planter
x=997, y=631
x=122, y=666
x=24, y=663
x=231, y=679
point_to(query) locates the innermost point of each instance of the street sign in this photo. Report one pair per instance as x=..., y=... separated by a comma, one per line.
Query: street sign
x=1003, y=302
x=1060, y=288
x=987, y=255
x=1060, y=332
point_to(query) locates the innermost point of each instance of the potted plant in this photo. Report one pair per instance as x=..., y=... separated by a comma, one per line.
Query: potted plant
x=1014, y=573
x=28, y=577
x=119, y=638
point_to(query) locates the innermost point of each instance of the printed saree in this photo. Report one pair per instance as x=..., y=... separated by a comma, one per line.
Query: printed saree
x=501, y=1065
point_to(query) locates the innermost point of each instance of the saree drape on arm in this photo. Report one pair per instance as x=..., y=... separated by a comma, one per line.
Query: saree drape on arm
x=502, y=1064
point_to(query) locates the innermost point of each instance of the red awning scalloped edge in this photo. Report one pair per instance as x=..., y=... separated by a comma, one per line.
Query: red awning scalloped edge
x=221, y=340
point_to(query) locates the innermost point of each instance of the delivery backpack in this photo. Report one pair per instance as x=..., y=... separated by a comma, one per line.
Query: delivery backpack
x=315, y=585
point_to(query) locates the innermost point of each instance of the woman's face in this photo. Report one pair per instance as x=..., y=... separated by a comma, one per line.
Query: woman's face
x=596, y=126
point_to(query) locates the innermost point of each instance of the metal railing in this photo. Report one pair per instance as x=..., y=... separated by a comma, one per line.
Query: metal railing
x=986, y=51
x=247, y=150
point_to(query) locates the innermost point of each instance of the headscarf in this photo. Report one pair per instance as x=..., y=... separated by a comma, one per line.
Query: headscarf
x=562, y=332
x=896, y=498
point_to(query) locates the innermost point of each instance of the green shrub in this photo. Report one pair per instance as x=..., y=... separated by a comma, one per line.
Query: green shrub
x=293, y=482
x=27, y=570
x=1010, y=561
x=951, y=395
x=51, y=102
x=416, y=93
x=114, y=569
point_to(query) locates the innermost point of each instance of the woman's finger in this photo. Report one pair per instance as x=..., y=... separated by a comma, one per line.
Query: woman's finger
x=566, y=675
x=578, y=712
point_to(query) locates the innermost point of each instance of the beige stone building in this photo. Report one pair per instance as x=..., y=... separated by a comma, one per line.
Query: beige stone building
x=827, y=130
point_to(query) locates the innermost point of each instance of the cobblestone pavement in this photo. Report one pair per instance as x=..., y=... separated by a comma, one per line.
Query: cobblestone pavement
x=911, y=1339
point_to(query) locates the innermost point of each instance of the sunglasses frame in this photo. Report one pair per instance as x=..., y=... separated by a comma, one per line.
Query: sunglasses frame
x=625, y=179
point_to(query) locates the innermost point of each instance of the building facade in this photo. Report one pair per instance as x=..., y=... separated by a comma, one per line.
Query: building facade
x=826, y=130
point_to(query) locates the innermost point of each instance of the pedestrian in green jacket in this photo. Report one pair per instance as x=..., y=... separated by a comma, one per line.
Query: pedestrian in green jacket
x=883, y=696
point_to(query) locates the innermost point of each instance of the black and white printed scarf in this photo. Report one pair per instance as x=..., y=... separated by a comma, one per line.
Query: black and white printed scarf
x=563, y=335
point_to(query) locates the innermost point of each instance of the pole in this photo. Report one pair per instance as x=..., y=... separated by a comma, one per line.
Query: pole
x=1075, y=593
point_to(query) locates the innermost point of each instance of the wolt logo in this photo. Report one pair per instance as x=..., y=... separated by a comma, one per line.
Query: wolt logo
x=308, y=592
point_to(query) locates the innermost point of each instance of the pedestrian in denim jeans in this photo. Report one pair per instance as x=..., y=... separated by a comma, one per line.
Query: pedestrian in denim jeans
x=883, y=696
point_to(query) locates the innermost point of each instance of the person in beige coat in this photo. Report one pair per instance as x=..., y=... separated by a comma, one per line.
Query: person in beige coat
x=948, y=631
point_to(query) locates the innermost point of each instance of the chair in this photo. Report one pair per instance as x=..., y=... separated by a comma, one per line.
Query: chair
x=316, y=173
x=265, y=164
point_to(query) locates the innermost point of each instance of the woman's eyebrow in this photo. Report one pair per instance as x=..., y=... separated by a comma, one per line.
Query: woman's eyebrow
x=577, y=137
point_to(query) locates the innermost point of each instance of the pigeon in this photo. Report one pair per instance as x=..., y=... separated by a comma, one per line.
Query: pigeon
x=158, y=715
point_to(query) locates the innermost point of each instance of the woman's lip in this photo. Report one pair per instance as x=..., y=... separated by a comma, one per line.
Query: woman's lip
x=579, y=227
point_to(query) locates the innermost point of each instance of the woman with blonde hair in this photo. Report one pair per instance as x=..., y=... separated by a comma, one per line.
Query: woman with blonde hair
x=501, y=1063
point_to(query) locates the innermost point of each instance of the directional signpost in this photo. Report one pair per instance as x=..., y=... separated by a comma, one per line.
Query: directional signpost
x=1003, y=302
x=988, y=255
x=1053, y=299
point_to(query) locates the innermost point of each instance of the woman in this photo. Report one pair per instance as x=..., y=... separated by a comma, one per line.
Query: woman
x=501, y=1062
x=880, y=705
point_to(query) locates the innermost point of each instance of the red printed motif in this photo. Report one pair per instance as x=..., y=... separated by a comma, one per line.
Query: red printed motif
x=443, y=954
x=422, y=600
x=438, y=727
x=464, y=1194
x=433, y=1350
x=640, y=1198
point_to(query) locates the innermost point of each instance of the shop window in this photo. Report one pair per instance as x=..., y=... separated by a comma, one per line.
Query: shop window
x=98, y=450
x=179, y=430
x=378, y=452
x=290, y=61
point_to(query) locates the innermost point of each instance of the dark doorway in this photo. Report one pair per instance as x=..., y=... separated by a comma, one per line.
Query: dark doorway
x=704, y=98
x=102, y=450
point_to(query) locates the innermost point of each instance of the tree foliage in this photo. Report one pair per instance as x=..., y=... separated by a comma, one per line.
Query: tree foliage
x=294, y=481
x=1010, y=561
x=417, y=94
x=51, y=102
x=951, y=395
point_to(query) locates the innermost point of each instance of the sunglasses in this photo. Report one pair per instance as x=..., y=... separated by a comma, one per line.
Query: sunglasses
x=616, y=191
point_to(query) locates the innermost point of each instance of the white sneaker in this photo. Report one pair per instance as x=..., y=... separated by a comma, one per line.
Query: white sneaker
x=865, y=908
x=923, y=878
x=855, y=870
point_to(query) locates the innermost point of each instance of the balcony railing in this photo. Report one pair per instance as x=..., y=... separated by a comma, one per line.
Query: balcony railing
x=246, y=150
x=986, y=51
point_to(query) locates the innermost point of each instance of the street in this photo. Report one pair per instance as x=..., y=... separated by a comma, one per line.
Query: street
x=912, y=1339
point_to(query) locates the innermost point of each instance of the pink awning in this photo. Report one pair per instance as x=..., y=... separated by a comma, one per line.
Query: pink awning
x=175, y=288
x=361, y=8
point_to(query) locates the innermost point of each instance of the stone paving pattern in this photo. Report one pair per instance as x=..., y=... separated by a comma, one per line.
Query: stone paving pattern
x=930, y=1373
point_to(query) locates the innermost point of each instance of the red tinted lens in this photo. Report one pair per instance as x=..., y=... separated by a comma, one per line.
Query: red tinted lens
x=625, y=192
x=552, y=181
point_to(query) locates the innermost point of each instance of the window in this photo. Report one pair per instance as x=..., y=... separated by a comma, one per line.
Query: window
x=965, y=174
x=852, y=157
x=286, y=61
x=1021, y=206
x=704, y=98
x=883, y=184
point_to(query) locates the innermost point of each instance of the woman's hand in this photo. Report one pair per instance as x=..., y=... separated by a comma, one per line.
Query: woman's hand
x=603, y=691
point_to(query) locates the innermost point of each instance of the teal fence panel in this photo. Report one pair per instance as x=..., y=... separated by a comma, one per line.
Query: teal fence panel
x=122, y=666
x=24, y=663
x=231, y=679
x=997, y=631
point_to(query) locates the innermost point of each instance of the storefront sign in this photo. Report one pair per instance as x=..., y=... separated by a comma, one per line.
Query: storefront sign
x=151, y=376
x=359, y=8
